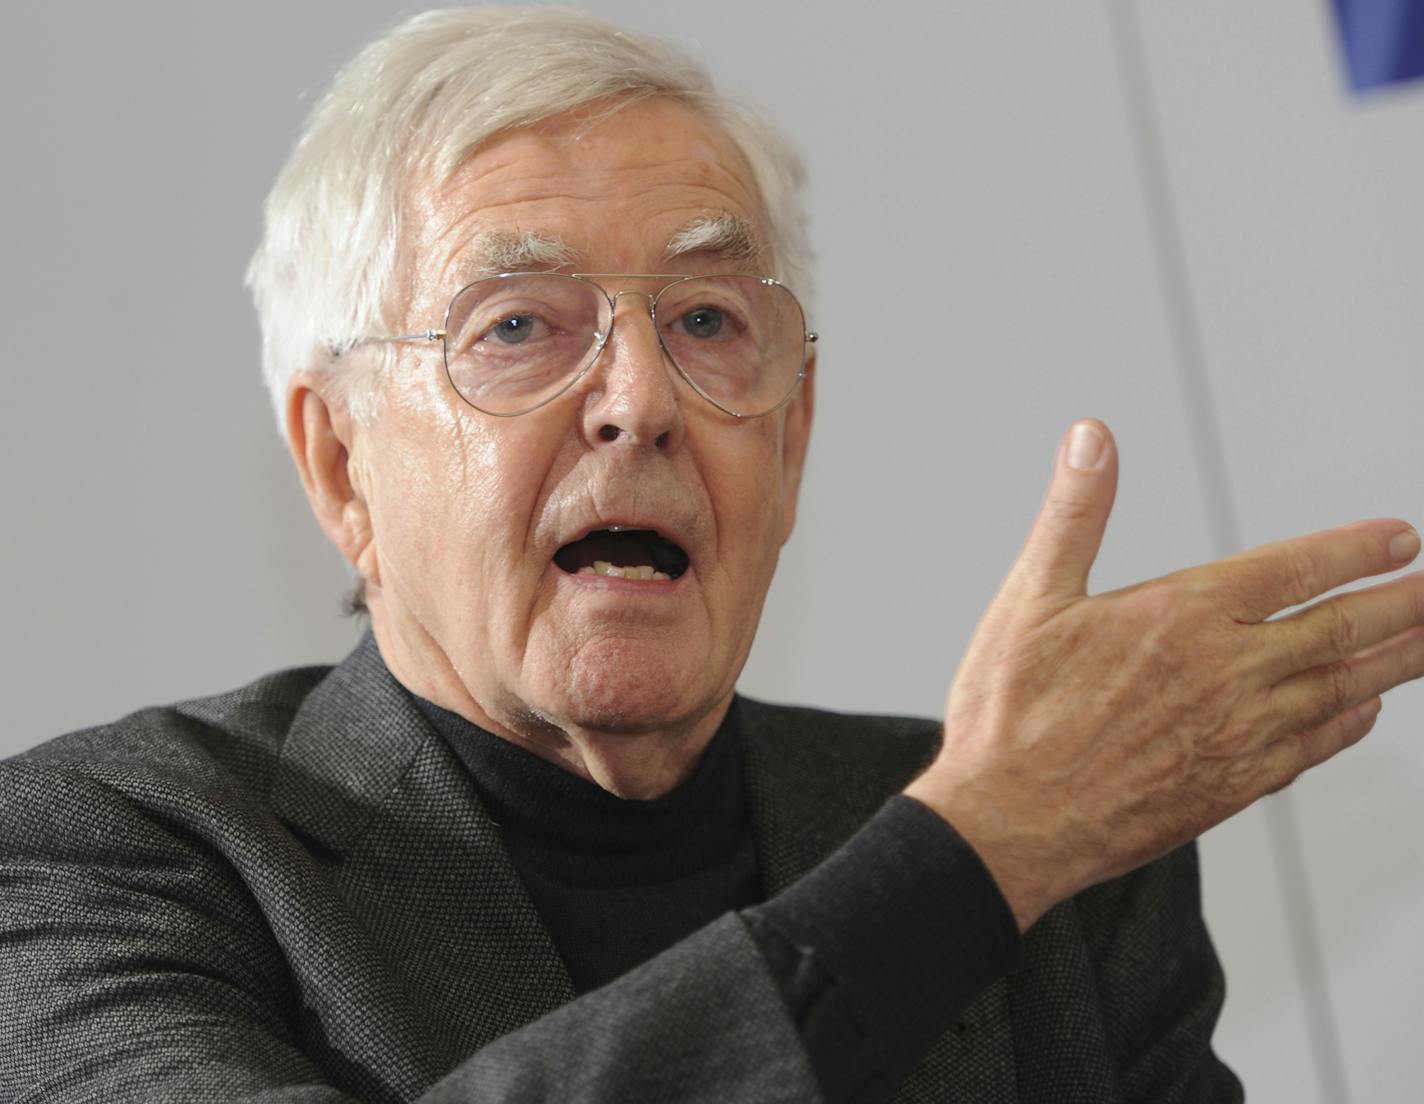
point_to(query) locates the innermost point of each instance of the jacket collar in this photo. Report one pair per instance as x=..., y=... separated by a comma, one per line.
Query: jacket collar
x=353, y=738
x=358, y=733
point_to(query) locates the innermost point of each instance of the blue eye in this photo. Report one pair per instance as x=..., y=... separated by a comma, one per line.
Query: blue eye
x=514, y=329
x=702, y=321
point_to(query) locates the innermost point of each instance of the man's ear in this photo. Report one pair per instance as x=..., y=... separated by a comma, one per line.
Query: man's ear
x=319, y=433
x=795, y=440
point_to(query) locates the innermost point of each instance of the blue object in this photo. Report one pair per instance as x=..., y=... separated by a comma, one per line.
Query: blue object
x=1383, y=40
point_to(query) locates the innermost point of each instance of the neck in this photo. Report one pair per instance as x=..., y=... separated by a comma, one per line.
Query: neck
x=636, y=765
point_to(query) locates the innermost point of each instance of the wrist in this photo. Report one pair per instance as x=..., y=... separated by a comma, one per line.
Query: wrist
x=1025, y=885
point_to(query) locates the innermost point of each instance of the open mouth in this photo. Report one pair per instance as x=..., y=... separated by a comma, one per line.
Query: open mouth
x=624, y=554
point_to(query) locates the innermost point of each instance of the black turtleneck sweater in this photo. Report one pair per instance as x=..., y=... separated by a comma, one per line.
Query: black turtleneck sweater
x=859, y=947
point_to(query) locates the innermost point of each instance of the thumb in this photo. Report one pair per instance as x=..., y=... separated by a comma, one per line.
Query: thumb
x=1064, y=541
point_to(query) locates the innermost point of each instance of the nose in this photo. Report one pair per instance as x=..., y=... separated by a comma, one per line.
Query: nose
x=632, y=397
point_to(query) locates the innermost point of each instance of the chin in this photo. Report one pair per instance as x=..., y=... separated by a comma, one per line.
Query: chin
x=621, y=687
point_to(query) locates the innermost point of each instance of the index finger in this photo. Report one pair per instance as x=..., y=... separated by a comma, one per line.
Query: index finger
x=1267, y=579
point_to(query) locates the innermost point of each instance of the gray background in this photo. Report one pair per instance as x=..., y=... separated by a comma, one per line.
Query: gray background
x=1169, y=216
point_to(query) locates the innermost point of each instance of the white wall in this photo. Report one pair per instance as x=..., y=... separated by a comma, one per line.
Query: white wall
x=1248, y=321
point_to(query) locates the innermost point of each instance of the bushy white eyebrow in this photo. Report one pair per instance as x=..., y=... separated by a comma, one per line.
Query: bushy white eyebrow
x=496, y=251
x=729, y=236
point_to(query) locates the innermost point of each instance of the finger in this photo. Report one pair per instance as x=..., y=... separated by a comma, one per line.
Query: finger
x=1055, y=560
x=1310, y=698
x=1336, y=628
x=1288, y=757
x=1265, y=580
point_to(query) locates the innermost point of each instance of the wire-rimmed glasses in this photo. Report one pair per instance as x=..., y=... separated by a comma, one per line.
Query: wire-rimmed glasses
x=519, y=340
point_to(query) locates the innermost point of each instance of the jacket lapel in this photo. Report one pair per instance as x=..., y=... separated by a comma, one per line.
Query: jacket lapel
x=810, y=789
x=419, y=861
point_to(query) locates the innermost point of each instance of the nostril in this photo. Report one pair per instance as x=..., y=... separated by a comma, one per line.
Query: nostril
x=609, y=433
x=662, y=440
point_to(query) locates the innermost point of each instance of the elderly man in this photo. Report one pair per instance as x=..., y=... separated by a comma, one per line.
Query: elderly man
x=528, y=301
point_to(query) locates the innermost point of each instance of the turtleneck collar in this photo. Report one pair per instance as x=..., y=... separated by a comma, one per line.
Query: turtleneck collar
x=575, y=830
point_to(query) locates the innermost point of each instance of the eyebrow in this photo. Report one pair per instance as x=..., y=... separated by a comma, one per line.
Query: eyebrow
x=495, y=251
x=728, y=236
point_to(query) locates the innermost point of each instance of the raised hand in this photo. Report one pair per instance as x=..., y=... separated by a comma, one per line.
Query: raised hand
x=1085, y=736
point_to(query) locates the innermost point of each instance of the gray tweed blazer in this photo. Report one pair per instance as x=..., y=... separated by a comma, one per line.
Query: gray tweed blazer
x=291, y=892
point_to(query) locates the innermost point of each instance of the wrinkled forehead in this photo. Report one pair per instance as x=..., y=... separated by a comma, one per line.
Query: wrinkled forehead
x=653, y=186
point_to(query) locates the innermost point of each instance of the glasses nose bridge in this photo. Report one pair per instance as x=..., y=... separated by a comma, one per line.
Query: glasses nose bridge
x=651, y=300
x=617, y=295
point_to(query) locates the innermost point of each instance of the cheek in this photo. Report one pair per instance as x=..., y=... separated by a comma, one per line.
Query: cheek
x=747, y=489
x=411, y=503
x=450, y=505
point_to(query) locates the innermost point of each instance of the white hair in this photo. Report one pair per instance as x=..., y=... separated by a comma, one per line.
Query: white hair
x=423, y=98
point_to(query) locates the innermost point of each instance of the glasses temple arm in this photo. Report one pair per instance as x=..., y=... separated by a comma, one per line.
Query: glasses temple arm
x=425, y=335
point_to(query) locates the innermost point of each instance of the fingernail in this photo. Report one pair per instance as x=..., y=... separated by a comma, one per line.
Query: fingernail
x=1404, y=546
x=1085, y=445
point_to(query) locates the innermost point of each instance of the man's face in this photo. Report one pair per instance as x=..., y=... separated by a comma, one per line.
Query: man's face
x=467, y=511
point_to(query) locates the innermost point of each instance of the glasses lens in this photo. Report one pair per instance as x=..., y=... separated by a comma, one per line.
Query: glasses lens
x=739, y=340
x=514, y=342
